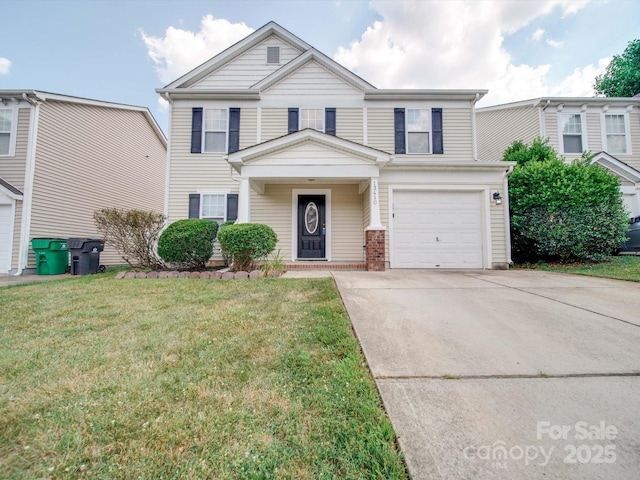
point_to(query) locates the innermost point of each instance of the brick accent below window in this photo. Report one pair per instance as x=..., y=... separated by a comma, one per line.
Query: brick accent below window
x=375, y=250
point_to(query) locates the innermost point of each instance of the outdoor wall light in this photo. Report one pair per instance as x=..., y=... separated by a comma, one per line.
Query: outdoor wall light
x=497, y=198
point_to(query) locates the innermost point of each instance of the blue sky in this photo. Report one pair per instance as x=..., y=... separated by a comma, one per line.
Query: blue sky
x=105, y=49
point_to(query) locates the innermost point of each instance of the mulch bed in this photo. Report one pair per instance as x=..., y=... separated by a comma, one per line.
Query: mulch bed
x=204, y=275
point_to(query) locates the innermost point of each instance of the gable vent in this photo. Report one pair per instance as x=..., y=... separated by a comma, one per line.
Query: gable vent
x=273, y=54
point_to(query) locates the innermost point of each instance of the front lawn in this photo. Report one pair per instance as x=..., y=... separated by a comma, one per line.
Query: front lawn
x=623, y=267
x=183, y=378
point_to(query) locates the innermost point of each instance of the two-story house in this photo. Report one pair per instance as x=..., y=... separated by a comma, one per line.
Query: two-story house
x=62, y=158
x=273, y=131
x=609, y=128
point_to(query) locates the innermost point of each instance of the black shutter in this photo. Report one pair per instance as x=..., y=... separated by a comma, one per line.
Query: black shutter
x=330, y=121
x=194, y=205
x=293, y=120
x=436, y=125
x=234, y=130
x=398, y=124
x=232, y=206
x=196, y=130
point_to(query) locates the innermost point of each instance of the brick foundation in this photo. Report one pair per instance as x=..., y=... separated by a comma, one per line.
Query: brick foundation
x=375, y=250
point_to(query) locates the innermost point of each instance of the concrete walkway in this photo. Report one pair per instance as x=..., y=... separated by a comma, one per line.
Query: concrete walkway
x=513, y=375
x=7, y=280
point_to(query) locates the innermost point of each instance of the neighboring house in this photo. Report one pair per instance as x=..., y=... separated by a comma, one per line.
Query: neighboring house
x=62, y=158
x=273, y=131
x=606, y=127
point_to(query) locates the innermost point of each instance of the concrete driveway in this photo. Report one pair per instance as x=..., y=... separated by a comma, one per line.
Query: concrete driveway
x=494, y=374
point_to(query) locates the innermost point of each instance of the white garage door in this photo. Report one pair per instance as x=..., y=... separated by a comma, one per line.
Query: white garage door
x=436, y=229
x=5, y=223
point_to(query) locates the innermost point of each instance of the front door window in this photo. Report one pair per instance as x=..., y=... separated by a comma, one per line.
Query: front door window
x=311, y=218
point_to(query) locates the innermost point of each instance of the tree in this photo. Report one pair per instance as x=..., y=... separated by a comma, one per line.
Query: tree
x=561, y=211
x=622, y=78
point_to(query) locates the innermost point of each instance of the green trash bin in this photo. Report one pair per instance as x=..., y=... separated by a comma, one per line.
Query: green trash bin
x=52, y=255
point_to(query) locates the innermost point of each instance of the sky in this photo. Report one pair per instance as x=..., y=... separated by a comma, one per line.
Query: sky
x=122, y=50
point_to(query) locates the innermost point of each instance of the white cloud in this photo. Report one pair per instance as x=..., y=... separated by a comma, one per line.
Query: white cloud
x=580, y=82
x=453, y=44
x=180, y=50
x=555, y=44
x=163, y=105
x=5, y=66
x=537, y=35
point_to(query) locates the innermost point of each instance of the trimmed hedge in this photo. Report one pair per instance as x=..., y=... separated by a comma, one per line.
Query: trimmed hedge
x=188, y=243
x=246, y=243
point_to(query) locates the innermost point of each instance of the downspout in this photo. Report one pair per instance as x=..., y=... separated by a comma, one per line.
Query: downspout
x=543, y=123
x=167, y=173
x=27, y=202
x=507, y=220
x=473, y=127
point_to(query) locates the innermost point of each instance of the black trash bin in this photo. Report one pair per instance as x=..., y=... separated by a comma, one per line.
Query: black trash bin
x=85, y=255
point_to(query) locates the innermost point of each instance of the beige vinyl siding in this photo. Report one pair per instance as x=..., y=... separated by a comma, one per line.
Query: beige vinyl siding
x=193, y=172
x=349, y=124
x=497, y=229
x=248, y=127
x=312, y=80
x=594, y=133
x=88, y=158
x=551, y=128
x=275, y=123
x=250, y=67
x=634, y=126
x=497, y=129
x=380, y=132
x=12, y=170
x=457, y=135
x=275, y=208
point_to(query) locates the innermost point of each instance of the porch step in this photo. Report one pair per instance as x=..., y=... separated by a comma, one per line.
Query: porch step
x=326, y=266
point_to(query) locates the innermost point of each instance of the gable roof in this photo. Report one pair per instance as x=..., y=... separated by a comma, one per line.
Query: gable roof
x=313, y=55
x=9, y=190
x=235, y=50
x=544, y=102
x=617, y=166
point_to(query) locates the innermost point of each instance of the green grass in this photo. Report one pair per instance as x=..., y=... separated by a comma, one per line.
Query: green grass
x=179, y=378
x=623, y=267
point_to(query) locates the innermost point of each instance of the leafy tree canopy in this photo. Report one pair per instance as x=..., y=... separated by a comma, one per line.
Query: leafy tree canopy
x=622, y=78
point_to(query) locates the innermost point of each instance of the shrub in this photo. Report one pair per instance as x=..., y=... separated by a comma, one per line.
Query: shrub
x=133, y=233
x=564, y=211
x=245, y=243
x=188, y=243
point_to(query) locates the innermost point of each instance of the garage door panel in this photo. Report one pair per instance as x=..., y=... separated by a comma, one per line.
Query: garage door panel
x=437, y=229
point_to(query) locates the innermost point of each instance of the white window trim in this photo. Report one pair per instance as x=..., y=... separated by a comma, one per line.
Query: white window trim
x=14, y=131
x=583, y=126
x=224, y=193
x=627, y=132
x=406, y=131
x=204, y=132
x=324, y=118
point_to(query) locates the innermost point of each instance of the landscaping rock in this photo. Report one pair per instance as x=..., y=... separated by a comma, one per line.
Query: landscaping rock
x=206, y=275
x=152, y=275
x=163, y=274
x=255, y=274
x=120, y=275
x=172, y=275
x=130, y=275
x=194, y=274
x=241, y=275
x=228, y=276
x=217, y=275
x=183, y=275
x=141, y=275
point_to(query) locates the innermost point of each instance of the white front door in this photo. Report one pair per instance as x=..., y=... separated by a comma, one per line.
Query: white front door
x=437, y=229
x=6, y=221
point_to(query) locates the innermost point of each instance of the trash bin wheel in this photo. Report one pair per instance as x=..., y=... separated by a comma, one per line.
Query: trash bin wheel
x=102, y=269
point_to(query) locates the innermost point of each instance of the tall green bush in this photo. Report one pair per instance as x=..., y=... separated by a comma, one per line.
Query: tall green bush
x=560, y=211
x=246, y=243
x=188, y=243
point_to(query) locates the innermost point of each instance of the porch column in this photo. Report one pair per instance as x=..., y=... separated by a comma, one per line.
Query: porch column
x=243, y=201
x=374, y=204
x=375, y=233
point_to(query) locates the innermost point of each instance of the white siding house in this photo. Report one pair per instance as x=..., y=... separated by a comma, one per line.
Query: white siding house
x=273, y=131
